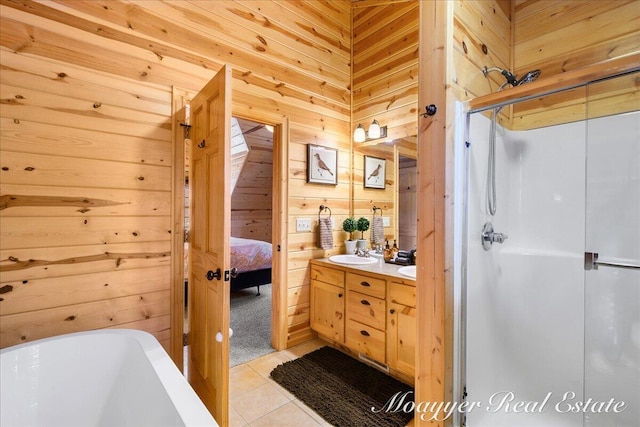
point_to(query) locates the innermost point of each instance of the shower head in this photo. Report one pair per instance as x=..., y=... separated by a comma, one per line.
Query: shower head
x=511, y=79
x=531, y=76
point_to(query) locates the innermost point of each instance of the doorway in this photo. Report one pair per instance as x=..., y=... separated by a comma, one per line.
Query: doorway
x=279, y=159
x=251, y=239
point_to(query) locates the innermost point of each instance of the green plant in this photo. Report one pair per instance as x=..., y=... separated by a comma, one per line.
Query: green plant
x=362, y=225
x=350, y=225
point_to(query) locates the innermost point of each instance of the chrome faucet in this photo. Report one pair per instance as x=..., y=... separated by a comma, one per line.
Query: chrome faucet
x=362, y=252
x=489, y=237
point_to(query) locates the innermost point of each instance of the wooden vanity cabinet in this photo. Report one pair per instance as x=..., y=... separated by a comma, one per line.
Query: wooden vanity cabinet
x=327, y=302
x=366, y=320
x=371, y=314
x=401, y=328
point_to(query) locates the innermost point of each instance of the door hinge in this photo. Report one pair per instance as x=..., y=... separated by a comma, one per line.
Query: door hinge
x=186, y=130
x=185, y=340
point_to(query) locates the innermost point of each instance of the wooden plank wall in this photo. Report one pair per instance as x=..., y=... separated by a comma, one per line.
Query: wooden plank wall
x=251, y=210
x=481, y=38
x=385, y=65
x=486, y=35
x=86, y=121
x=86, y=201
x=385, y=88
x=561, y=36
x=86, y=145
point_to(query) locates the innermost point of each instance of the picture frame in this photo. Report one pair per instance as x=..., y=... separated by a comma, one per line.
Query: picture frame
x=375, y=172
x=322, y=165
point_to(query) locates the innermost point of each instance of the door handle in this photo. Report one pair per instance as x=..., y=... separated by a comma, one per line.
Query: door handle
x=234, y=273
x=591, y=262
x=211, y=275
x=219, y=336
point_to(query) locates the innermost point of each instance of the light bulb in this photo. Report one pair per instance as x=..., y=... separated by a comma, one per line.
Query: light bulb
x=359, y=134
x=374, y=130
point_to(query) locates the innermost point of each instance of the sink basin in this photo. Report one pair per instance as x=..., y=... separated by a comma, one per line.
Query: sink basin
x=409, y=271
x=352, y=259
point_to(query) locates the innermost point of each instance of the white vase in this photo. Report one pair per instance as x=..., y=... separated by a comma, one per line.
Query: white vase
x=351, y=246
x=361, y=244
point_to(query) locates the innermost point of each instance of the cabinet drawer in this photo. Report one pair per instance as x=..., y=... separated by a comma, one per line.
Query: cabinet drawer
x=366, y=309
x=366, y=340
x=327, y=275
x=402, y=294
x=367, y=285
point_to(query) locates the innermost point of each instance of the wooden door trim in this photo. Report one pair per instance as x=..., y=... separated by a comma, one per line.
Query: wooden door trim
x=178, y=166
x=279, y=232
x=280, y=235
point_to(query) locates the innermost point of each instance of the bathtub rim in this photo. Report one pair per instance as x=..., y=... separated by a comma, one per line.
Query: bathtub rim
x=188, y=405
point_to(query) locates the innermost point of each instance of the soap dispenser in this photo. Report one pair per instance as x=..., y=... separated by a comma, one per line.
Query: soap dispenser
x=387, y=252
x=394, y=250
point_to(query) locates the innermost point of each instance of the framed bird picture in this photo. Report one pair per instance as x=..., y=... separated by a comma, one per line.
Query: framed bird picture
x=374, y=172
x=322, y=165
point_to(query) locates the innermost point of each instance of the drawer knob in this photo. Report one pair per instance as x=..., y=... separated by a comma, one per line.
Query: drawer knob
x=365, y=302
x=365, y=333
x=392, y=311
x=363, y=283
x=339, y=295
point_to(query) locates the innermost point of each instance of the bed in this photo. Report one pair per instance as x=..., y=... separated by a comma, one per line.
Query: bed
x=252, y=259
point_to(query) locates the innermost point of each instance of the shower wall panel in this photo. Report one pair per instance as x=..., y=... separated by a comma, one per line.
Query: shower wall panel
x=531, y=316
x=525, y=297
x=612, y=322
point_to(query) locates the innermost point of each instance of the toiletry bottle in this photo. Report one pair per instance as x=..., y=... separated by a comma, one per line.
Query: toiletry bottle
x=394, y=250
x=387, y=252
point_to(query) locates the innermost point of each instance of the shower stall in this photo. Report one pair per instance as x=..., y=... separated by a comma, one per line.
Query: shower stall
x=549, y=288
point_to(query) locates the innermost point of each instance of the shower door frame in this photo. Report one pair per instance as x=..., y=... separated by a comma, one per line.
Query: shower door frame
x=582, y=77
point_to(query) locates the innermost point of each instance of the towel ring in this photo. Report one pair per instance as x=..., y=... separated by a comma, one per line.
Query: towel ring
x=375, y=208
x=324, y=208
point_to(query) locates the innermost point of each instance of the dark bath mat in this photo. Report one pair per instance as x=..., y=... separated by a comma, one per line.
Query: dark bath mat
x=343, y=390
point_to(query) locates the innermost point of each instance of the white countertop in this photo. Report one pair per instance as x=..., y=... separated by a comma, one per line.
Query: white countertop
x=379, y=267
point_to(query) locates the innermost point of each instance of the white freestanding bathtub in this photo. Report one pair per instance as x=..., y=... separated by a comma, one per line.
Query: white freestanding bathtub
x=115, y=377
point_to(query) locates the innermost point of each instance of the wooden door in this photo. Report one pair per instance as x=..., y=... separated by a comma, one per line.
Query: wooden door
x=209, y=250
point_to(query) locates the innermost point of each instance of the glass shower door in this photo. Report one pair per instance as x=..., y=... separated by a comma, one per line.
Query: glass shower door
x=612, y=284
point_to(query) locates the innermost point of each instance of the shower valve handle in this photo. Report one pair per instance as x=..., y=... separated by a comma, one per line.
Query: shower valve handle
x=489, y=237
x=498, y=237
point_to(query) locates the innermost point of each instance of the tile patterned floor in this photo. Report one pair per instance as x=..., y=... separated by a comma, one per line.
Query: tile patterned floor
x=255, y=400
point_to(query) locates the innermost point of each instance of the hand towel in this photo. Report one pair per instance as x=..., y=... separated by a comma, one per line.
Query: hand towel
x=326, y=234
x=377, y=230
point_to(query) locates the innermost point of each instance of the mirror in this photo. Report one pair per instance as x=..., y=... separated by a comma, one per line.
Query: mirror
x=398, y=199
x=407, y=212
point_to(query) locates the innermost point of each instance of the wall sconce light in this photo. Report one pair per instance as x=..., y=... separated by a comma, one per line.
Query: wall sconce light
x=375, y=132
